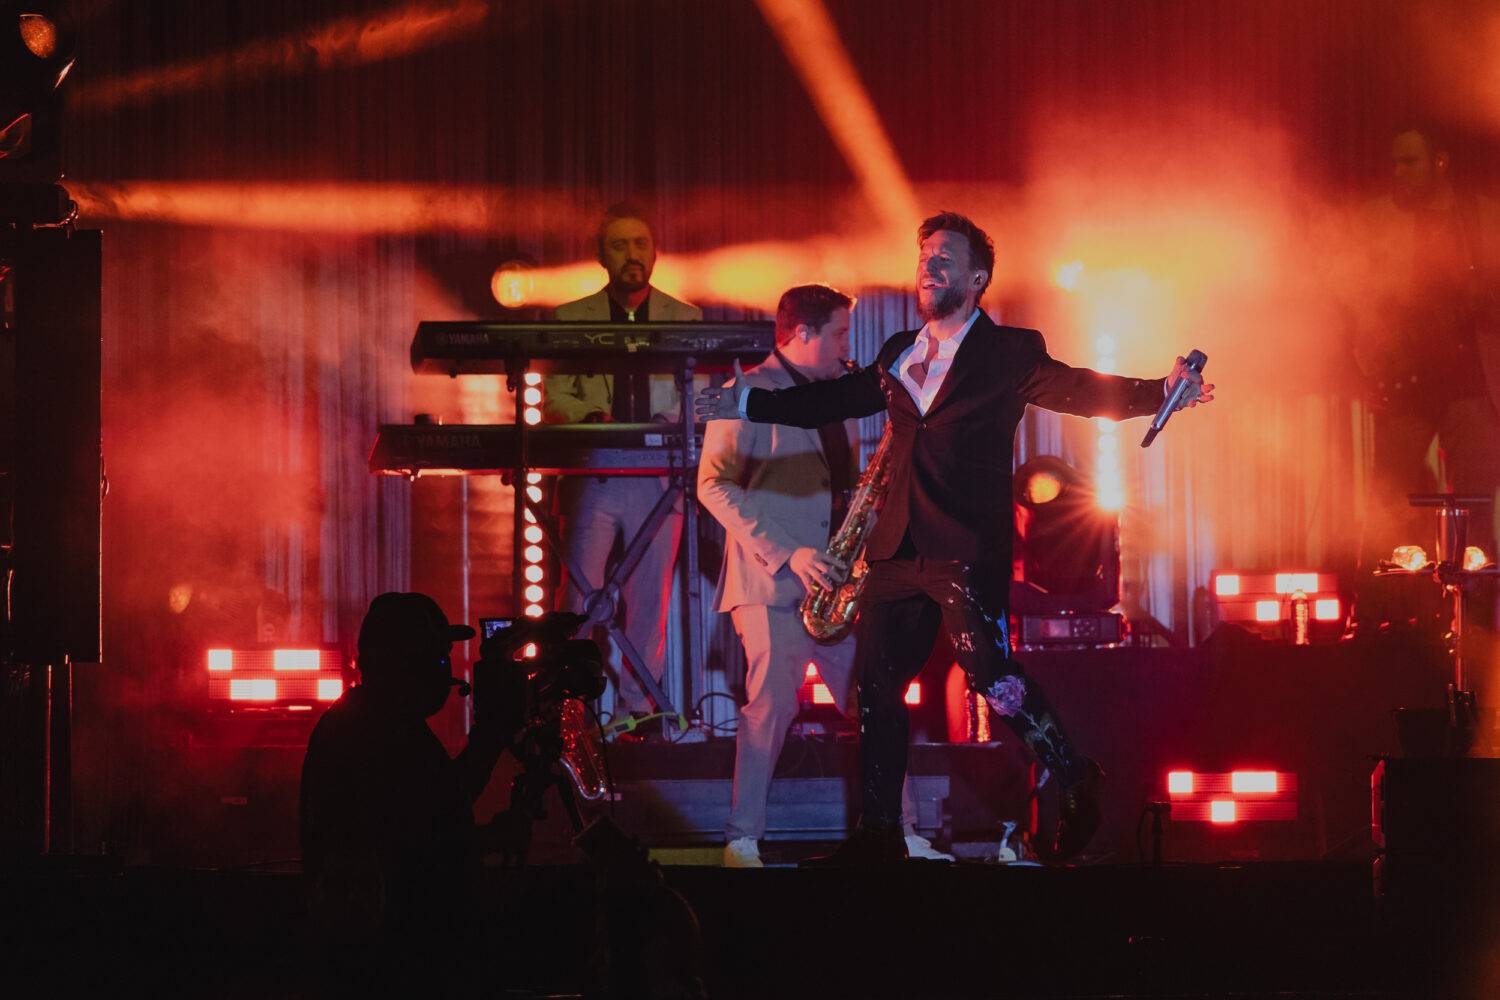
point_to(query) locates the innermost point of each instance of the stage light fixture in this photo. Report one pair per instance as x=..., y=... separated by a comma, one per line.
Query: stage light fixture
x=36, y=53
x=1297, y=606
x=296, y=659
x=1067, y=566
x=1475, y=558
x=1409, y=557
x=39, y=35
x=252, y=689
x=1290, y=583
x=1042, y=487
x=531, y=399
x=1241, y=782
x=1241, y=796
x=533, y=568
x=512, y=284
x=273, y=680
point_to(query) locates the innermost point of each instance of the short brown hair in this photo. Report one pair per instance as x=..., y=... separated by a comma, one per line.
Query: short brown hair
x=624, y=210
x=810, y=304
x=981, y=247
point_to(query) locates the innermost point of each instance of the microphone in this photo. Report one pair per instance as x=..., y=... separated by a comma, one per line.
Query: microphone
x=1178, y=395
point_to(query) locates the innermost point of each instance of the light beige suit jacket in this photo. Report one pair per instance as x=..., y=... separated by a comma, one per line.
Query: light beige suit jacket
x=768, y=485
x=568, y=399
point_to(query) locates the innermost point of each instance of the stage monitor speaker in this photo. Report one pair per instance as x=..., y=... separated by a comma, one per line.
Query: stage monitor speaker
x=55, y=282
x=1435, y=809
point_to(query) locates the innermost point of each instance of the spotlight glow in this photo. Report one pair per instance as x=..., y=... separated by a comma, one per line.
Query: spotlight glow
x=39, y=35
x=1289, y=583
x=1242, y=782
x=1066, y=276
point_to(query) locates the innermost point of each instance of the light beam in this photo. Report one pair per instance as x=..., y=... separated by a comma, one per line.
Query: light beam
x=812, y=45
x=341, y=42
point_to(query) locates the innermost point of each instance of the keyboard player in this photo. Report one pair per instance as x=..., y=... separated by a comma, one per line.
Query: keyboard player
x=599, y=513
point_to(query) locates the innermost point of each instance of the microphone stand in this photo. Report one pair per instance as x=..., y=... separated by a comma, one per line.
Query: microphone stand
x=1453, y=524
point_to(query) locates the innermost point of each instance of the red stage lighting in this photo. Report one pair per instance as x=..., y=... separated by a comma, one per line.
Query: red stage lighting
x=1284, y=607
x=1067, y=567
x=1244, y=796
x=815, y=692
x=291, y=680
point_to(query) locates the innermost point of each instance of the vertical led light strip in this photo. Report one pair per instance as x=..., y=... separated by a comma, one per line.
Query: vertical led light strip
x=1109, y=486
x=533, y=571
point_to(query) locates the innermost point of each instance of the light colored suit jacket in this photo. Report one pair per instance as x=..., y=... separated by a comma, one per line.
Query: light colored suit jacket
x=568, y=399
x=768, y=485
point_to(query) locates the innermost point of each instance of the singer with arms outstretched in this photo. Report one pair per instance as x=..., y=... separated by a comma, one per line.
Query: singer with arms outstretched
x=940, y=553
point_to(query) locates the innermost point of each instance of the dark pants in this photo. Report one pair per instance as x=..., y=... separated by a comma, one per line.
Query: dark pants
x=903, y=603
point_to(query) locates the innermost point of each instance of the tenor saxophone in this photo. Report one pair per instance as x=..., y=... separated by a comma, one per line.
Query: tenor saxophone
x=829, y=614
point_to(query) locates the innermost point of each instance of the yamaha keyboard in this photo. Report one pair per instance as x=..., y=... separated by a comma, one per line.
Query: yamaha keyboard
x=480, y=449
x=469, y=348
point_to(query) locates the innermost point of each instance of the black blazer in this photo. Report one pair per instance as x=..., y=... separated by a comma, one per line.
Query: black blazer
x=950, y=473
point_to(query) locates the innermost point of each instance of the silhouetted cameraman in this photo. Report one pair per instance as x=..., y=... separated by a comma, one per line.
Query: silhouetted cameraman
x=389, y=844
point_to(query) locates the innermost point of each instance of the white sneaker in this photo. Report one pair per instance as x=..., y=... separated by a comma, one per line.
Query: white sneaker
x=742, y=853
x=921, y=847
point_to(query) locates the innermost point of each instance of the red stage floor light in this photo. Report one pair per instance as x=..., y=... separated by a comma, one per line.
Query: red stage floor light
x=287, y=679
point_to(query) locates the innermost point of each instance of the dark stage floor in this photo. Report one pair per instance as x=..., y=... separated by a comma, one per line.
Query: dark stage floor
x=920, y=929
x=208, y=905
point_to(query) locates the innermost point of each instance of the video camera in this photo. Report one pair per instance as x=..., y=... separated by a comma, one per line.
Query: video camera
x=535, y=664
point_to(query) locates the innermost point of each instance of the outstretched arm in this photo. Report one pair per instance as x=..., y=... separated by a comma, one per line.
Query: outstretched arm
x=811, y=405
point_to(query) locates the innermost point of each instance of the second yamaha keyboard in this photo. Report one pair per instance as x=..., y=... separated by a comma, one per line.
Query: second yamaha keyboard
x=471, y=347
x=480, y=449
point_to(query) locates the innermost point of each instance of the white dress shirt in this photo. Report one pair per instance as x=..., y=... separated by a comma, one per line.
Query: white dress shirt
x=937, y=368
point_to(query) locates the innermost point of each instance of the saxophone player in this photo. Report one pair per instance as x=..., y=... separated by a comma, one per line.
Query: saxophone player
x=780, y=492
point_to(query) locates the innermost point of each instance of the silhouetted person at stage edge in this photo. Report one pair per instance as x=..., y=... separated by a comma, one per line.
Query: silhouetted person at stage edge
x=390, y=849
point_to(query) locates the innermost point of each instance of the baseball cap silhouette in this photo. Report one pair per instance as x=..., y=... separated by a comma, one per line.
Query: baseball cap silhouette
x=399, y=625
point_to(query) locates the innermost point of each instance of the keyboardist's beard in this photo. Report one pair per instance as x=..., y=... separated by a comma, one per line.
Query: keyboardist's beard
x=629, y=284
